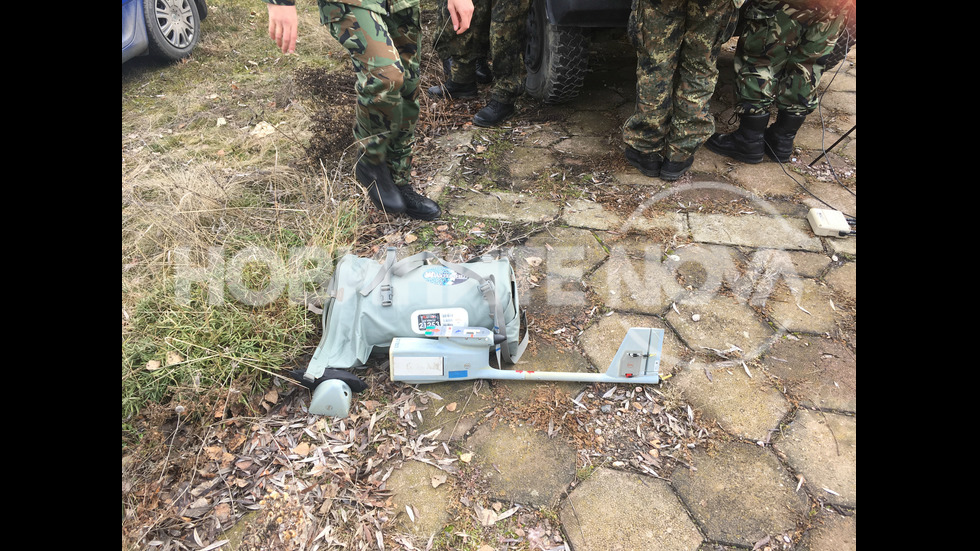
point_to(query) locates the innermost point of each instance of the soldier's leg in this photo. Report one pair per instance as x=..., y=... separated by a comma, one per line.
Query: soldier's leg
x=655, y=29
x=809, y=37
x=379, y=70
x=473, y=44
x=691, y=122
x=508, y=19
x=797, y=89
x=406, y=36
x=759, y=58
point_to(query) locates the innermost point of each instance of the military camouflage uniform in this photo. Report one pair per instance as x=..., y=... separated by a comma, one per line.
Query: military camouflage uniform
x=777, y=59
x=466, y=48
x=508, y=19
x=383, y=38
x=677, y=43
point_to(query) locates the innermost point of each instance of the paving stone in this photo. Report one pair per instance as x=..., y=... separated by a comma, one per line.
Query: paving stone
x=504, y=205
x=721, y=323
x=635, y=279
x=745, y=406
x=809, y=264
x=814, y=139
x=472, y=399
x=618, y=511
x=521, y=464
x=764, y=180
x=592, y=123
x=564, y=252
x=834, y=532
x=544, y=356
x=818, y=371
x=753, y=231
x=823, y=448
x=843, y=246
x=411, y=486
x=804, y=306
x=843, y=279
x=740, y=493
x=601, y=341
x=832, y=193
x=530, y=163
x=582, y=146
x=582, y=213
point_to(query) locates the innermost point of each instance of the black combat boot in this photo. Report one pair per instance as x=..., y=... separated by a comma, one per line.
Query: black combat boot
x=779, y=137
x=450, y=89
x=647, y=163
x=746, y=143
x=376, y=179
x=673, y=170
x=484, y=75
x=418, y=206
x=493, y=114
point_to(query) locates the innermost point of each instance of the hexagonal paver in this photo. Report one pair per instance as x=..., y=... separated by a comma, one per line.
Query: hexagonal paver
x=635, y=280
x=833, y=532
x=521, y=464
x=563, y=252
x=807, y=307
x=601, y=340
x=411, y=486
x=820, y=372
x=618, y=511
x=745, y=406
x=740, y=493
x=823, y=448
x=466, y=401
x=544, y=356
x=720, y=323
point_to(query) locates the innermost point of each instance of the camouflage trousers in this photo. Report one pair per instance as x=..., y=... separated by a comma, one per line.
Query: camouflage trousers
x=677, y=43
x=385, y=53
x=466, y=48
x=777, y=61
x=508, y=20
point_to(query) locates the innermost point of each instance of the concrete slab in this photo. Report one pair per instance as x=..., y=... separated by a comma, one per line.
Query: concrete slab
x=740, y=493
x=411, y=487
x=817, y=371
x=529, y=163
x=521, y=464
x=454, y=408
x=619, y=511
x=753, y=230
x=823, y=448
x=544, y=357
x=503, y=205
x=719, y=324
x=635, y=279
x=601, y=340
x=804, y=305
x=843, y=279
x=834, y=532
x=742, y=403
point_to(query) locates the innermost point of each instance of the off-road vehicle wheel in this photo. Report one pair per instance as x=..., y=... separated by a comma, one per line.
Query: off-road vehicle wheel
x=556, y=58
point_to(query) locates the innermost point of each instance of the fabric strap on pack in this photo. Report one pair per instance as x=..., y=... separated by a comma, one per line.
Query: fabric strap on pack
x=487, y=286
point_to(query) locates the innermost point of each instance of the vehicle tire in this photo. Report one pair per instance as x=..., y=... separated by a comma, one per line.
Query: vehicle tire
x=556, y=58
x=172, y=26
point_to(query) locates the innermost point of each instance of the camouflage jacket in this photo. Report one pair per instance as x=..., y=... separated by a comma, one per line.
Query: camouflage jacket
x=385, y=7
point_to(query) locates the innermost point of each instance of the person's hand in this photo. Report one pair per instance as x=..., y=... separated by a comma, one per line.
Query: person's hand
x=460, y=11
x=282, y=27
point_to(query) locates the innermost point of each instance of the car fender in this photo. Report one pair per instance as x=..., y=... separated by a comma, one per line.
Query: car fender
x=134, y=40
